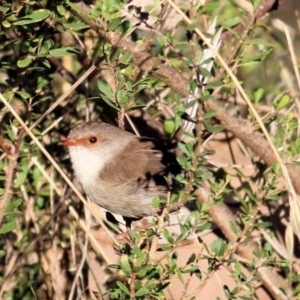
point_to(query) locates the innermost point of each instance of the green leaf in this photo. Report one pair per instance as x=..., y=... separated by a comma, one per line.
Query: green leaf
x=258, y=94
x=37, y=16
x=6, y=24
x=232, y=22
x=256, y=4
x=176, y=62
x=276, y=167
x=114, y=24
x=207, y=175
x=23, y=63
x=60, y=9
x=24, y=95
x=109, y=102
x=283, y=101
x=193, y=86
x=16, y=203
x=181, y=179
x=114, y=55
x=76, y=26
x=191, y=259
x=43, y=51
x=234, y=228
x=168, y=237
x=161, y=41
x=214, y=85
x=218, y=247
x=183, y=161
x=20, y=180
x=13, y=213
x=125, y=58
x=46, y=63
x=261, y=41
x=114, y=266
x=7, y=227
x=250, y=63
x=213, y=129
x=195, y=270
x=210, y=6
x=183, y=148
x=132, y=235
x=122, y=98
x=203, y=227
x=6, y=7
x=263, y=224
x=40, y=201
x=209, y=114
x=169, y=126
x=2, y=253
x=104, y=87
x=142, y=291
x=125, y=265
x=63, y=51
x=123, y=287
x=204, y=72
x=113, y=226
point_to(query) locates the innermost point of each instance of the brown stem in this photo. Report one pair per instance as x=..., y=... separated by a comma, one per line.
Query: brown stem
x=9, y=177
x=12, y=154
x=4, y=146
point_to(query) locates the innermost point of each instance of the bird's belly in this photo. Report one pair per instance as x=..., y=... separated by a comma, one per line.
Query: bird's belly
x=122, y=200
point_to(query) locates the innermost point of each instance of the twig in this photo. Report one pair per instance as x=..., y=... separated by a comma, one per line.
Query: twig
x=84, y=255
x=12, y=153
x=9, y=177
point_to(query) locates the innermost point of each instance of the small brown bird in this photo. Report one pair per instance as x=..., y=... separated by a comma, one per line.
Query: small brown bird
x=120, y=171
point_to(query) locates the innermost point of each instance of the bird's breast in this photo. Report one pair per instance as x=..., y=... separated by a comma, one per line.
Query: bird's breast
x=86, y=165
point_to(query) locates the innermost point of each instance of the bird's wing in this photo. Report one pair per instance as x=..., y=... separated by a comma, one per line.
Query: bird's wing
x=146, y=161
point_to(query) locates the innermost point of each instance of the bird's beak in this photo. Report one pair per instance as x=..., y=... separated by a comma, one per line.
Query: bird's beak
x=68, y=142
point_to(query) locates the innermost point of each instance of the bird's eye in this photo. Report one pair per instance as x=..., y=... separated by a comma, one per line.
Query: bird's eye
x=93, y=140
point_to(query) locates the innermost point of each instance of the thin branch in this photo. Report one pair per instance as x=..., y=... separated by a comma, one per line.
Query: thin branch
x=12, y=154
x=9, y=177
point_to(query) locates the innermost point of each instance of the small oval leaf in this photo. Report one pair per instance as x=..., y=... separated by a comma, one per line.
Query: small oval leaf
x=218, y=247
x=59, y=52
x=25, y=62
x=7, y=227
x=36, y=16
x=20, y=180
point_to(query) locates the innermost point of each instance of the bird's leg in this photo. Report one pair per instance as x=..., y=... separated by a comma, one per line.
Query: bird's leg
x=128, y=222
x=125, y=235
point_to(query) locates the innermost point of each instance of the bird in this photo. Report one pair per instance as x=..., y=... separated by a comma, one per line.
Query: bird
x=120, y=171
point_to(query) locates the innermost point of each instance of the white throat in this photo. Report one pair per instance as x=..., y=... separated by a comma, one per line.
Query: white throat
x=87, y=164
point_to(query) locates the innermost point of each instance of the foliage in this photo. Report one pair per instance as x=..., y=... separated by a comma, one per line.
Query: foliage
x=46, y=46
